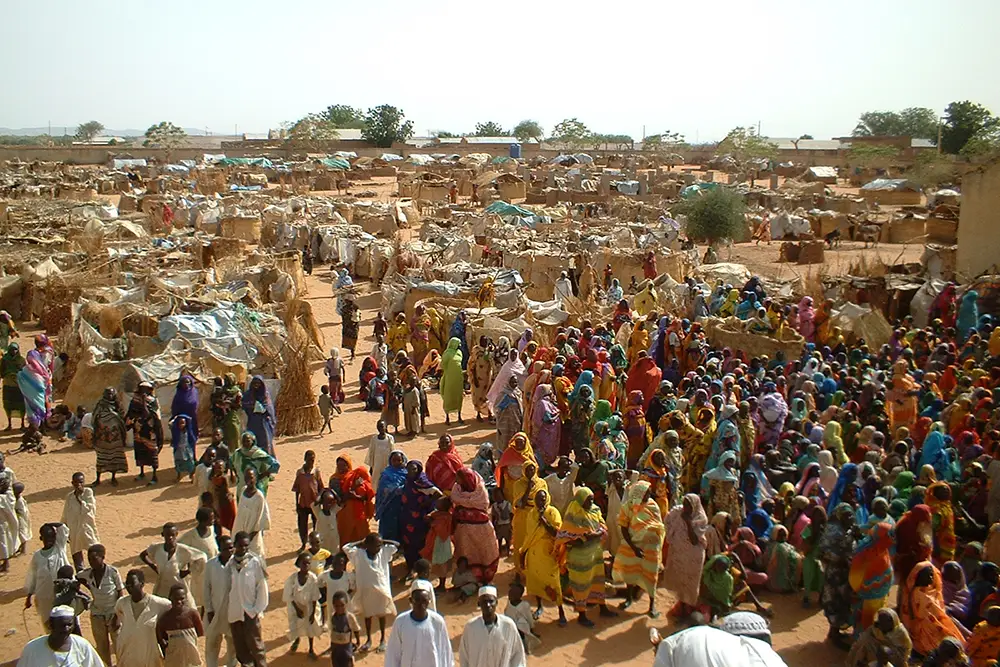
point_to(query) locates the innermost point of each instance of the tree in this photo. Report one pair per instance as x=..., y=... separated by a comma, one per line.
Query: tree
x=87, y=131
x=805, y=136
x=917, y=122
x=309, y=129
x=620, y=141
x=931, y=169
x=962, y=122
x=385, y=125
x=747, y=148
x=871, y=155
x=343, y=116
x=715, y=215
x=444, y=134
x=984, y=143
x=164, y=135
x=528, y=129
x=571, y=132
x=490, y=129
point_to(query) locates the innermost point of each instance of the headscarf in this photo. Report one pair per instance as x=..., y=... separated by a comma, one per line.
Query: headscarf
x=721, y=472
x=719, y=584
x=935, y=455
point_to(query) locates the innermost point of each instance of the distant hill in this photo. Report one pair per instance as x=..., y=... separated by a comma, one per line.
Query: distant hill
x=59, y=130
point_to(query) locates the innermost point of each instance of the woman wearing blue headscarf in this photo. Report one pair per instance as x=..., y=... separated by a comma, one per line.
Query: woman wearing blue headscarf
x=388, y=498
x=586, y=378
x=344, y=281
x=458, y=330
x=968, y=315
x=747, y=306
x=849, y=478
x=935, y=454
x=259, y=409
x=656, y=344
x=183, y=437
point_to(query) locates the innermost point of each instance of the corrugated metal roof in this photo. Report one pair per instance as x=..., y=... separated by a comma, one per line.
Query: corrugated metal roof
x=787, y=144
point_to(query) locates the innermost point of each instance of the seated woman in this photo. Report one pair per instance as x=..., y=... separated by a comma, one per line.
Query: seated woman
x=723, y=586
x=923, y=612
x=748, y=553
x=783, y=563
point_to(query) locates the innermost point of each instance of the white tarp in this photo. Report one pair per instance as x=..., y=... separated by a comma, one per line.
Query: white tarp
x=216, y=331
x=786, y=224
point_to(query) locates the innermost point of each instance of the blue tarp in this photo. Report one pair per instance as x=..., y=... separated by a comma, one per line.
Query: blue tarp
x=335, y=163
x=249, y=161
x=503, y=209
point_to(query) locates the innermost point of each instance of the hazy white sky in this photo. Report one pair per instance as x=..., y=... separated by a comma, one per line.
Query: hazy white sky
x=797, y=66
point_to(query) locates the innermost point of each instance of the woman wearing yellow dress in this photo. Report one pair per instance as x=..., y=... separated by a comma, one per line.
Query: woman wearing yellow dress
x=537, y=554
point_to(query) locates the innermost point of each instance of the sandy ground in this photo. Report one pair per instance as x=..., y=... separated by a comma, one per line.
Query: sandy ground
x=130, y=517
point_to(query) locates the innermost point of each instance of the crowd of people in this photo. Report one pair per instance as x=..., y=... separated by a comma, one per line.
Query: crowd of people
x=630, y=457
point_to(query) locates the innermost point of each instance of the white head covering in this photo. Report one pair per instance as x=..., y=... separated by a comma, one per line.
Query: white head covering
x=422, y=585
x=487, y=590
x=62, y=611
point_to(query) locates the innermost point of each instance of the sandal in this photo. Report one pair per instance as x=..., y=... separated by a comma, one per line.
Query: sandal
x=380, y=648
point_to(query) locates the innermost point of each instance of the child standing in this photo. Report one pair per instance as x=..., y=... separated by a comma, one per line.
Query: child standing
x=343, y=628
x=202, y=472
x=80, y=516
x=306, y=487
x=560, y=483
x=326, y=520
x=325, y=402
x=335, y=580
x=67, y=592
x=380, y=351
x=438, y=548
x=8, y=524
x=422, y=572
x=502, y=515
x=23, y=517
x=519, y=610
x=379, y=447
x=178, y=629
x=223, y=501
x=301, y=596
x=182, y=441
x=372, y=558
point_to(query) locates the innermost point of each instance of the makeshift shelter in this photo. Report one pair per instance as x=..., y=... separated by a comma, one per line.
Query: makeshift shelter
x=892, y=192
x=858, y=322
x=820, y=175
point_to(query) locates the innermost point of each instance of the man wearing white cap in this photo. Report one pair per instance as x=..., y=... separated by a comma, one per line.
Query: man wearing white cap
x=419, y=637
x=490, y=640
x=60, y=646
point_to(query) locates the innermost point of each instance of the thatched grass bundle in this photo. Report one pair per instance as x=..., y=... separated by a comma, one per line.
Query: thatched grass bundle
x=300, y=311
x=296, y=403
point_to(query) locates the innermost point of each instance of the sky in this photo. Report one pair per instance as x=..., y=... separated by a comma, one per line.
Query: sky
x=796, y=67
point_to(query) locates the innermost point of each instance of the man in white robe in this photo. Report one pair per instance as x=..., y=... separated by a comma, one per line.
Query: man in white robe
x=60, y=646
x=490, y=640
x=10, y=539
x=202, y=538
x=137, y=615
x=253, y=516
x=39, y=584
x=419, y=637
x=563, y=288
x=172, y=562
x=706, y=646
x=80, y=516
x=23, y=517
x=216, y=597
x=248, y=598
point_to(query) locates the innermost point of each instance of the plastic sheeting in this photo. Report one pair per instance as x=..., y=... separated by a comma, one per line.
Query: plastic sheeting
x=216, y=331
x=335, y=163
x=786, y=224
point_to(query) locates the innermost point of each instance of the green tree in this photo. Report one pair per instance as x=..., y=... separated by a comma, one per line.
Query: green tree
x=984, y=143
x=87, y=131
x=931, y=169
x=715, y=215
x=747, y=147
x=343, y=116
x=385, y=125
x=962, y=122
x=871, y=155
x=528, y=129
x=444, y=134
x=164, y=135
x=806, y=136
x=490, y=129
x=918, y=122
x=310, y=129
x=571, y=132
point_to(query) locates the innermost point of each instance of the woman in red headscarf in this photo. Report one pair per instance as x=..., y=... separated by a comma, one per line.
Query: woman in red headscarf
x=914, y=540
x=444, y=463
x=354, y=486
x=644, y=376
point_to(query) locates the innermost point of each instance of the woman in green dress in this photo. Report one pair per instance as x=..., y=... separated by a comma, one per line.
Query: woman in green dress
x=231, y=407
x=249, y=455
